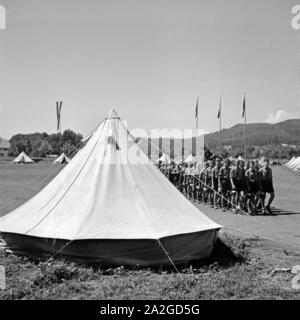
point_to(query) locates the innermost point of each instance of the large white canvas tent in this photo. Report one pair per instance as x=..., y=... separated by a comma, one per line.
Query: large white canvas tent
x=110, y=205
x=165, y=159
x=62, y=159
x=23, y=158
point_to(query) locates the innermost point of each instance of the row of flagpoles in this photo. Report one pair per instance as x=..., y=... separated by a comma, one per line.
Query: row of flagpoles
x=219, y=116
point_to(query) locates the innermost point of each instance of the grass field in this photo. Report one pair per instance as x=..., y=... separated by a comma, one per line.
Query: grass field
x=239, y=268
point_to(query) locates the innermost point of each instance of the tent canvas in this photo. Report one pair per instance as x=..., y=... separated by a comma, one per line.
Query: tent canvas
x=297, y=167
x=23, y=158
x=290, y=161
x=110, y=205
x=165, y=159
x=178, y=160
x=295, y=163
x=190, y=159
x=62, y=159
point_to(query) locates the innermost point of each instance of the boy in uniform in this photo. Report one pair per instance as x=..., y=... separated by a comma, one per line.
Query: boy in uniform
x=237, y=179
x=208, y=183
x=224, y=183
x=215, y=182
x=252, y=182
x=266, y=186
x=202, y=182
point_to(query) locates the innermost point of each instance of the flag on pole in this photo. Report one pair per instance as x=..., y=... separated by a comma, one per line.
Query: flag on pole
x=196, y=111
x=244, y=107
x=58, y=113
x=220, y=106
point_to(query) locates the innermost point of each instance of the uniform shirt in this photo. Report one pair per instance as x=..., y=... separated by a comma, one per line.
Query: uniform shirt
x=252, y=175
x=233, y=174
x=237, y=174
x=215, y=172
x=208, y=174
x=175, y=174
x=202, y=174
x=196, y=172
x=225, y=173
x=265, y=174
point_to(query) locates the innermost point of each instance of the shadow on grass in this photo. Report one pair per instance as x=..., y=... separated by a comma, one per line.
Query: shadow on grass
x=282, y=212
x=276, y=212
x=44, y=274
x=62, y=268
x=223, y=255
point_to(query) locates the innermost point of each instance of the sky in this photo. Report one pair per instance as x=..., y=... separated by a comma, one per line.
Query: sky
x=149, y=60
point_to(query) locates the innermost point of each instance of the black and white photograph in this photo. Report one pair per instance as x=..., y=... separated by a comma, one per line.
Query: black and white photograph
x=149, y=151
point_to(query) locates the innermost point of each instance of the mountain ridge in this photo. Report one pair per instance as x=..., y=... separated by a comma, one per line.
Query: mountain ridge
x=258, y=134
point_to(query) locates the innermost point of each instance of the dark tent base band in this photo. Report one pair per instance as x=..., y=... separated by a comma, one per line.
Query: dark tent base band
x=117, y=252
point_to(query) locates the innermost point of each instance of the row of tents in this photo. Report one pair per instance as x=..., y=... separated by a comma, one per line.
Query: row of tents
x=165, y=159
x=294, y=164
x=24, y=158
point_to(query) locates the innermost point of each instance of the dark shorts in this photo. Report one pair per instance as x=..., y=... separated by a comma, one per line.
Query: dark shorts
x=239, y=185
x=254, y=187
x=267, y=187
x=226, y=186
x=208, y=184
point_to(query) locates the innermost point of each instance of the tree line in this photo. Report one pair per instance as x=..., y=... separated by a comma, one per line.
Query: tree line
x=43, y=144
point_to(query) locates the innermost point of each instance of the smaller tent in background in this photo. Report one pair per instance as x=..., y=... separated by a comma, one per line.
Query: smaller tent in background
x=178, y=161
x=62, y=159
x=290, y=161
x=23, y=158
x=297, y=167
x=165, y=159
x=190, y=159
x=240, y=158
x=295, y=163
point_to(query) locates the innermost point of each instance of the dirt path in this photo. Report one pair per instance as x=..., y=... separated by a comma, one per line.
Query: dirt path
x=283, y=227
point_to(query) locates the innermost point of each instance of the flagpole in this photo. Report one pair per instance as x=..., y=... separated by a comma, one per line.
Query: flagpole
x=60, y=117
x=58, y=107
x=197, y=125
x=197, y=114
x=220, y=125
x=245, y=128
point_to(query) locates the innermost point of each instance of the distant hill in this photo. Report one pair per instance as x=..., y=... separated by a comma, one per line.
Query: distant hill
x=258, y=134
